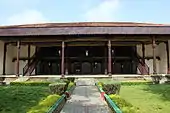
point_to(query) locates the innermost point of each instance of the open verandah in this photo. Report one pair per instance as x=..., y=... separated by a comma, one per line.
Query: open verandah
x=65, y=35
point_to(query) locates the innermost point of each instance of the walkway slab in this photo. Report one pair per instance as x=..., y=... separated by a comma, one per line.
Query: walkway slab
x=85, y=99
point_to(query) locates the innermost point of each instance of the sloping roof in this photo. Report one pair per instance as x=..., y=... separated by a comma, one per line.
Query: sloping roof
x=84, y=28
x=85, y=24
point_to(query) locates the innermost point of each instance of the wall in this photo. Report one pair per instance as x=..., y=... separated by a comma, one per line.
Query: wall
x=10, y=54
x=161, y=52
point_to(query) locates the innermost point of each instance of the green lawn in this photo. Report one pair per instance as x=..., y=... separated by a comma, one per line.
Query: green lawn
x=20, y=99
x=148, y=98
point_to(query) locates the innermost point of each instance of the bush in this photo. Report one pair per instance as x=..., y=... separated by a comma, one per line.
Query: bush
x=30, y=83
x=136, y=83
x=71, y=79
x=71, y=84
x=111, y=88
x=45, y=104
x=100, y=84
x=125, y=106
x=58, y=88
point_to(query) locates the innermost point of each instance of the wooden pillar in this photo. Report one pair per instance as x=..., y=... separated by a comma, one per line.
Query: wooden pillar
x=167, y=51
x=143, y=57
x=29, y=54
x=62, y=59
x=109, y=59
x=154, y=55
x=4, y=59
x=66, y=62
x=18, y=55
x=105, y=59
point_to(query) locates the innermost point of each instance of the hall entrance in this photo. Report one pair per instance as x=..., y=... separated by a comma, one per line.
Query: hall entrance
x=87, y=60
x=124, y=60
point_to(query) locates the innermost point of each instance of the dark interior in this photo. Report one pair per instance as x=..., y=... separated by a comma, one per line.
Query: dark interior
x=84, y=60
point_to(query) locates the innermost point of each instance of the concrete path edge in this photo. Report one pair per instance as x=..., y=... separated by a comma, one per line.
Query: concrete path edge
x=110, y=103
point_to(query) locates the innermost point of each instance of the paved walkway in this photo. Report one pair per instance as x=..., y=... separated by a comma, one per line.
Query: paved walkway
x=85, y=99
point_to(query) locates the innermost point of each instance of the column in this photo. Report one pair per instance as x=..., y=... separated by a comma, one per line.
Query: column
x=62, y=59
x=4, y=58
x=29, y=54
x=105, y=60
x=109, y=59
x=154, y=55
x=143, y=58
x=18, y=55
x=66, y=62
x=167, y=51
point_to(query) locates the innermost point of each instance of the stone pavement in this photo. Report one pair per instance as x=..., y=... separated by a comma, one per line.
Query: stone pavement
x=85, y=99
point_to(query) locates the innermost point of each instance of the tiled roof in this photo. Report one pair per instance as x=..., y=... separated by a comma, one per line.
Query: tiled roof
x=84, y=28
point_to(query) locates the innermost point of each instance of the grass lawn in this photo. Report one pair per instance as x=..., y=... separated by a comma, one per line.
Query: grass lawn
x=148, y=98
x=19, y=99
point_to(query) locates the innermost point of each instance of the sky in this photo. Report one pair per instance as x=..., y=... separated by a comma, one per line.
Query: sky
x=54, y=11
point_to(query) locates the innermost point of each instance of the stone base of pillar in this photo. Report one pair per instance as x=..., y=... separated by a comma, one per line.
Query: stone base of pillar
x=66, y=71
x=105, y=71
x=168, y=72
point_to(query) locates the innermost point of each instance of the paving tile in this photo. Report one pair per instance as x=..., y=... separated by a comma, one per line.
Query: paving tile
x=85, y=99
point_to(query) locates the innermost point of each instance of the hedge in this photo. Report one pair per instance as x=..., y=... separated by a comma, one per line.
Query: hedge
x=30, y=83
x=125, y=106
x=70, y=85
x=58, y=88
x=44, y=105
x=136, y=83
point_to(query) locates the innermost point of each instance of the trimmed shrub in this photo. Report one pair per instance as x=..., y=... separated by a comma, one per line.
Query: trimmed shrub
x=71, y=79
x=58, y=88
x=136, y=83
x=100, y=84
x=125, y=106
x=30, y=83
x=70, y=85
x=44, y=105
x=111, y=88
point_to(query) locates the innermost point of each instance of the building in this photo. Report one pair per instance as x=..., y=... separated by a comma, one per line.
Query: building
x=85, y=48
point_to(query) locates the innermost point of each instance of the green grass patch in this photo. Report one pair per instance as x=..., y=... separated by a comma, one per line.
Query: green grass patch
x=148, y=98
x=19, y=99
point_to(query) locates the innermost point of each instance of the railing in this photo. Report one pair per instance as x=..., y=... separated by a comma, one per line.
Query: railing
x=33, y=66
x=142, y=66
x=30, y=66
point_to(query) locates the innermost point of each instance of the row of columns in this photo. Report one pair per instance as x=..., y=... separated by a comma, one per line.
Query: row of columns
x=109, y=57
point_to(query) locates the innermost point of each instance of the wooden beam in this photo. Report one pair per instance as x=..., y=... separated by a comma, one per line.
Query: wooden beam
x=4, y=58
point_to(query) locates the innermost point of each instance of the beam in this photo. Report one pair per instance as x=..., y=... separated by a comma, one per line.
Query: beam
x=167, y=51
x=18, y=55
x=4, y=58
x=154, y=55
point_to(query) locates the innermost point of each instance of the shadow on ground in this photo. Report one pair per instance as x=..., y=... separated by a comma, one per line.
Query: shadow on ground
x=163, y=90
